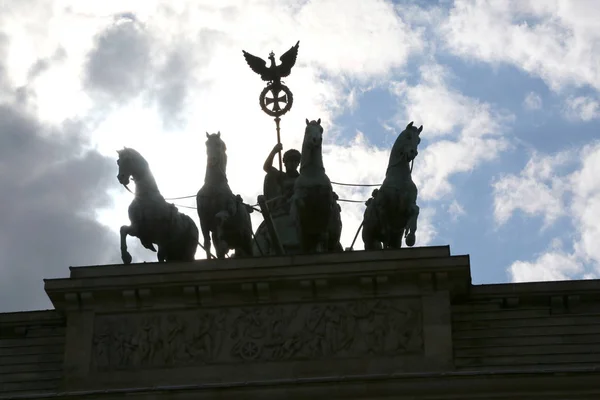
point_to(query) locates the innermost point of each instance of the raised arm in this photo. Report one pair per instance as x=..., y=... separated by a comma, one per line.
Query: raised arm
x=268, y=166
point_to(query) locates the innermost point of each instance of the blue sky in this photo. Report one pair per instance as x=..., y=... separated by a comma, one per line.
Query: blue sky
x=507, y=92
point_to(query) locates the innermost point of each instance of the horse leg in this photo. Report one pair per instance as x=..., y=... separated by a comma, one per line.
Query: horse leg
x=221, y=245
x=395, y=240
x=147, y=244
x=161, y=254
x=411, y=225
x=192, y=246
x=206, y=236
x=244, y=248
x=382, y=235
x=126, y=230
x=323, y=242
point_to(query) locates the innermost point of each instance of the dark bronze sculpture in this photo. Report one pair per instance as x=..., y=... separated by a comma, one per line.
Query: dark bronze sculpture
x=221, y=212
x=273, y=74
x=278, y=189
x=153, y=220
x=278, y=186
x=314, y=207
x=392, y=212
x=300, y=210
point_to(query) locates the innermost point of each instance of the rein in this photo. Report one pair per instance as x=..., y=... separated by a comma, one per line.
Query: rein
x=412, y=163
x=129, y=190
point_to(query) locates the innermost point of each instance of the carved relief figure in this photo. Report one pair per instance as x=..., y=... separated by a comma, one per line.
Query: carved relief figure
x=392, y=213
x=153, y=220
x=220, y=212
x=314, y=207
x=264, y=333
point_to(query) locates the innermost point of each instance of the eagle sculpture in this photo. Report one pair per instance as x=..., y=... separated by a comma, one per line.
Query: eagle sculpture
x=273, y=73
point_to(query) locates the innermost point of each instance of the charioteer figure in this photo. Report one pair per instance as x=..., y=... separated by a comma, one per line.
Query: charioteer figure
x=278, y=186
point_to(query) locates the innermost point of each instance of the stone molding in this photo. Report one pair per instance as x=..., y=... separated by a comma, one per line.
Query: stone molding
x=405, y=272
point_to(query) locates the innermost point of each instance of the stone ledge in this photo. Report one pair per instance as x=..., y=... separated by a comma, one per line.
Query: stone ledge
x=261, y=262
x=557, y=295
x=29, y=317
x=546, y=384
x=534, y=288
x=294, y=278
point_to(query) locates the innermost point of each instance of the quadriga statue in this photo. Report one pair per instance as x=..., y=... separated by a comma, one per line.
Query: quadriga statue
x=221, y=212
x=153, y=220
x=297, y=211
x=391, y=214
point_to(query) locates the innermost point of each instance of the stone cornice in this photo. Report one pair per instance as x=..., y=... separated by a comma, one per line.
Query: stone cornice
x=402, y=272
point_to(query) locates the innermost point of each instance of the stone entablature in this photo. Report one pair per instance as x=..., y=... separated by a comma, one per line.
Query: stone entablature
x=271, y=318
x=360, y=325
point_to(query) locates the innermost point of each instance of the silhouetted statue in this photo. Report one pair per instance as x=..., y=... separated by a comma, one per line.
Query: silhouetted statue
x=273, y=73
x=392, y=212
x=314, y=207
x=220, y=212
x=278, y=186
x=153, y=220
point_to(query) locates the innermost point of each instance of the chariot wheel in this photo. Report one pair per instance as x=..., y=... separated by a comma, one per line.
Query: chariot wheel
x=250, y=351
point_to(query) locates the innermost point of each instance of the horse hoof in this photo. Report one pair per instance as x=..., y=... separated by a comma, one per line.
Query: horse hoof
x=410, y=240
x=126, y=257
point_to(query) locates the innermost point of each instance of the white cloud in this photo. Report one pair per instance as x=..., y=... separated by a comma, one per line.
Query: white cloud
x=472, y=130
x=532, y=101
x=536, y=190
x=556, y=40
x=582, y=108
x=552, y=266
x=542, y=188
x=455, y=210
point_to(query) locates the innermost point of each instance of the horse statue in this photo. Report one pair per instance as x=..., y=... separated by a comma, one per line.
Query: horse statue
x=153, y=220
x=221, y=212
x=314, y=205
x=392, y=212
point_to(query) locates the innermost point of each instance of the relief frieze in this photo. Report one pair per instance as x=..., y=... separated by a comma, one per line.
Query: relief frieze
x=264, y=333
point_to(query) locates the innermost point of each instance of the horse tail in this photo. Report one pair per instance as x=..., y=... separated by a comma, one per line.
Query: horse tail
x=191, y=235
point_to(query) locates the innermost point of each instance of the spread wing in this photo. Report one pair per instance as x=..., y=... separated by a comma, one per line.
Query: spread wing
x=257, y=64
x=288, y=59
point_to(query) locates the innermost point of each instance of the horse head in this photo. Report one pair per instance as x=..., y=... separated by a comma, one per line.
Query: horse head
x=313, y=134
x=216, y=151
x=131, y=165
x=405, y=147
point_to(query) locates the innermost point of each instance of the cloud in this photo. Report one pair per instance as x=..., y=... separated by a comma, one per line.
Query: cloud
x=456, y=210
x=50, y=189
x=555, y=40
x=471, y=129
x=536, y=190
x=582, y=108
x=547, y=186
x=532, y=101
x=120, y=62
x=552, y=266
